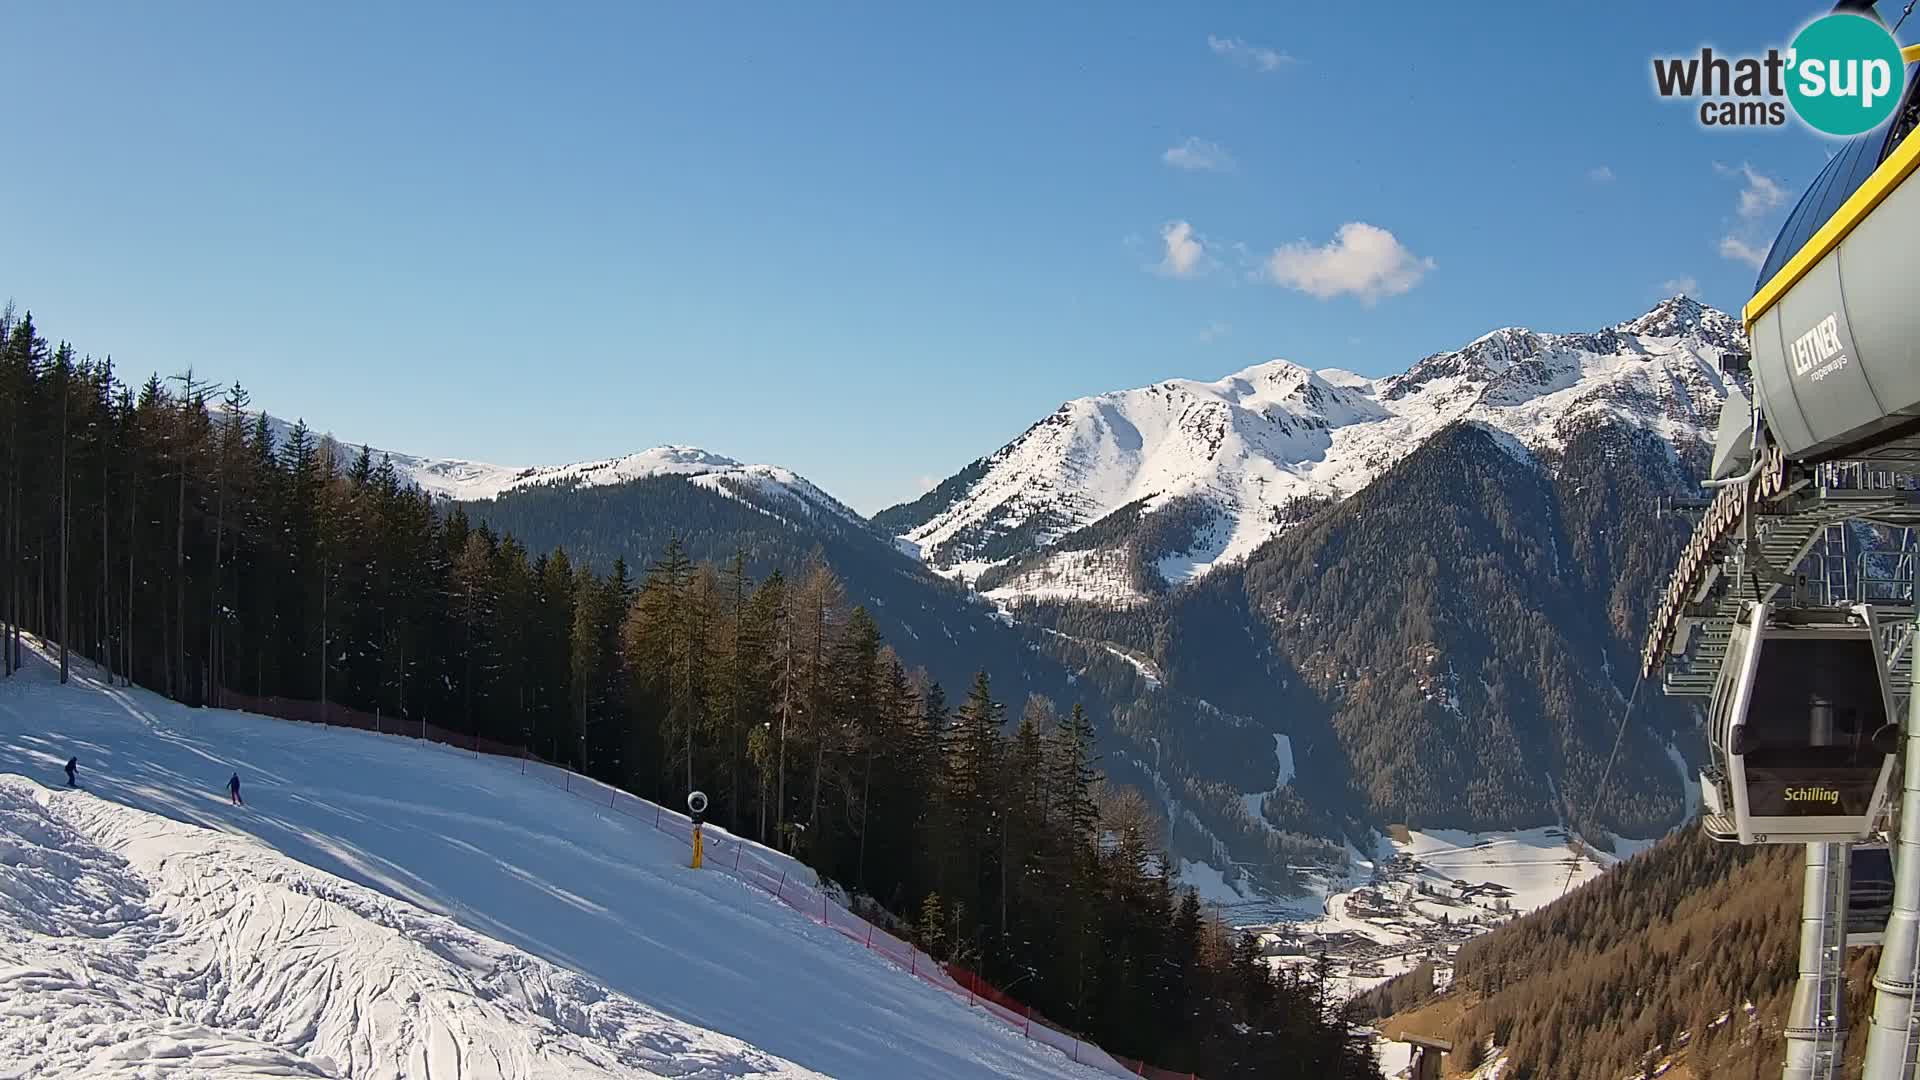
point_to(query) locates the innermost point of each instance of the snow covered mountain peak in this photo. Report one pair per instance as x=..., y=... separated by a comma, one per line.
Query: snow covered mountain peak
x=1235, y=460
x=456, y=478
x=1681, y=315
x=468, y=481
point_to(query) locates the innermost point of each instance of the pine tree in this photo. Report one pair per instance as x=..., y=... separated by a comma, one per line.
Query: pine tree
x=971, y=791
x=932, y=931
x=818, y=604
x=862, y=719
x=658, y=641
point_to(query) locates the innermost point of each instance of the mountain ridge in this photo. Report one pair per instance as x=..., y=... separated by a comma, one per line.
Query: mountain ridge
x=1233, y=456
x=465, y=480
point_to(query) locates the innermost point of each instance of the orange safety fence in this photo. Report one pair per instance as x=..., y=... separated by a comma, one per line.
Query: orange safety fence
x=779, y=875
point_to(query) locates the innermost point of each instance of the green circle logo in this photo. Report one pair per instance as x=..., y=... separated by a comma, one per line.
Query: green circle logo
x=1845, y=74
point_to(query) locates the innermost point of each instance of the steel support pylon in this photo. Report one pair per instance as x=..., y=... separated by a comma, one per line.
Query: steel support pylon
x=1817, y=1023
x=1892, y=1036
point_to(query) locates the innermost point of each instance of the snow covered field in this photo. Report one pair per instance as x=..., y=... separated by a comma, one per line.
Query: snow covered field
x=1533, y=863
x=132, y=944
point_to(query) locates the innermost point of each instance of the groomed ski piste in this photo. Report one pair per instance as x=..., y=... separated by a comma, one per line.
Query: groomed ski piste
x=384, y=907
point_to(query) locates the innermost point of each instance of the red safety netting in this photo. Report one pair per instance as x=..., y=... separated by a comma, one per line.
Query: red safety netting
x=775, y=873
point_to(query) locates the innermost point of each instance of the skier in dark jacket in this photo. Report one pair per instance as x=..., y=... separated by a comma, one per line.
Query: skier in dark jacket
x=233, y=790
x=73, y=766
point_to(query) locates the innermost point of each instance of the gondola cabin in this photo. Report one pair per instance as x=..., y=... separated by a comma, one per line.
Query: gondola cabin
x=1801, y=728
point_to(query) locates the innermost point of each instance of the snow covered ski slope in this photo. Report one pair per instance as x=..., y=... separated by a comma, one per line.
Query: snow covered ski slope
x=196, y=954
x=153, y=947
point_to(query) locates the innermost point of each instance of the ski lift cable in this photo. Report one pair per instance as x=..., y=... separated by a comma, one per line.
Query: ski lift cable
x=1903, y=15
x=1600, y=795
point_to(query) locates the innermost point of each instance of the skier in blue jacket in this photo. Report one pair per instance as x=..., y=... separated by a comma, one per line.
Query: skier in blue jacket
x=233, y=791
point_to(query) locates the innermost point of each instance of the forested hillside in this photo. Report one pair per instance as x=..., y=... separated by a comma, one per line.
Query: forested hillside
x=164, y=536
x=1690, y=946
x=1197, y=756
x=1445, y=647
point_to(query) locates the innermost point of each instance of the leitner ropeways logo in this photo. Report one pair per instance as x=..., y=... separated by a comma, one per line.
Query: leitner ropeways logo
x=1842, y=75
x=1819, y=352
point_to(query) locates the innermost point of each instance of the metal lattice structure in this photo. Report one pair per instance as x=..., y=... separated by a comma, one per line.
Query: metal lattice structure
x=1786, y=538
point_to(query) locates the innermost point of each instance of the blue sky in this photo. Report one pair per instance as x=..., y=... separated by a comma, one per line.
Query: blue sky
x=867, y=241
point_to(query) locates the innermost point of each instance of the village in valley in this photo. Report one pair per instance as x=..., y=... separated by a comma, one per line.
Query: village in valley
x=1418, y=899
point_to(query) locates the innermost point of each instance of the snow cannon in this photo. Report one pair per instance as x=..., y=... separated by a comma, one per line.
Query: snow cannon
x=697, y=810
x=1801, y=728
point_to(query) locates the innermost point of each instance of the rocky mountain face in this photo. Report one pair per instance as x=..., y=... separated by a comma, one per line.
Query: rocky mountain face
x=1120, y=497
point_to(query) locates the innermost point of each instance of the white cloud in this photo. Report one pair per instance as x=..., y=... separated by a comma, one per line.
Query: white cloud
x=1761, y=194
x=1214, y=331
x=1197, y=153
x=1600, y=174
x=1364, y=260
x=1185, y=253
x=1258, y=57
x=1740, y=251
x=927, y=483
x=1687, y=284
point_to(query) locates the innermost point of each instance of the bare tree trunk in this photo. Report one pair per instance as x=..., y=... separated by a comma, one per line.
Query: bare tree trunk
x=106, y=590
x=323, y=639
x=12, y=569
x=133, y=503
x=1003, y=873
x=786, y=711
x=19, y=583
x=820, y=717
x=686, y=682
x=866, y=823
x=179, y=642
x=213, y=590
x=66, y=514
x=18, y=548
x=733, y=719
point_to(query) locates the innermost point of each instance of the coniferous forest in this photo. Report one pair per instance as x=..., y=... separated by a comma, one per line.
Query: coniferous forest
x=164, y=535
